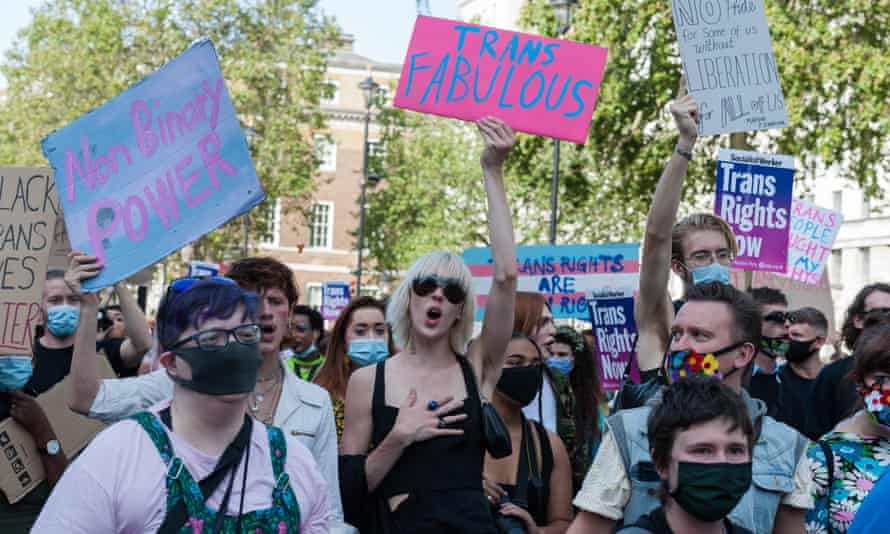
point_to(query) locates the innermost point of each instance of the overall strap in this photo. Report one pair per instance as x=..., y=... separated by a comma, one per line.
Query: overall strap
x=829, y=464
x=283, y=494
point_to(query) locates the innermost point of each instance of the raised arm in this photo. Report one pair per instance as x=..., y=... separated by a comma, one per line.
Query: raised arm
x=138, y=341
x=84, y=375
x=653, y=310
x=497, y=326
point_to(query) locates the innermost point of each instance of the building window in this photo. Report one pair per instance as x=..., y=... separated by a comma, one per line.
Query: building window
x=865, y=258
x=837, y=265
x=326, y=153
x=838, y=201
x=321, y=225
x=313, y=295
x=272, y=233
x=334, y=99
x=371, y=291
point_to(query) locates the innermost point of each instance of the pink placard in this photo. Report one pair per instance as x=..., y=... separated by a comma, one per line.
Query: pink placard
x=535, y=84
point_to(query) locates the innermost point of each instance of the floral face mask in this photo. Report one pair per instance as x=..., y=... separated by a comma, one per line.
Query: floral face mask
x=680, y=363
x=877, y=402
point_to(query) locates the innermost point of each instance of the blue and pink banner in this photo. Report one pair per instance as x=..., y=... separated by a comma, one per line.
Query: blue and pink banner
x=562, y=273
x=154, y=168
x=754, y=193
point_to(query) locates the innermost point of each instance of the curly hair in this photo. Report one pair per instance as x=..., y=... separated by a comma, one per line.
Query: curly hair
x=265, y=273
x=849, y=331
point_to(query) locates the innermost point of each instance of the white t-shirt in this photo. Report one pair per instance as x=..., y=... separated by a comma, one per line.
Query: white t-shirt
x=118, y=484
x=548, y=407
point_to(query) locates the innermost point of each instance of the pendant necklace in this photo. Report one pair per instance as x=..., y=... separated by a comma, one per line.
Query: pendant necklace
x=256, y=398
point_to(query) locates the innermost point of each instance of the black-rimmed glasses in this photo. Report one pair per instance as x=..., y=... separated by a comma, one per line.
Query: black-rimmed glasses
x=218, y=338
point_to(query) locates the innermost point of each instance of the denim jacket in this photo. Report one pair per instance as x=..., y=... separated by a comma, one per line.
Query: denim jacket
x=775, y=457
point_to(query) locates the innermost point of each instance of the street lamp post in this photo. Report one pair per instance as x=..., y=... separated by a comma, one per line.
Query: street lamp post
x=369, y=90
x=563, y=11
x=250, y=136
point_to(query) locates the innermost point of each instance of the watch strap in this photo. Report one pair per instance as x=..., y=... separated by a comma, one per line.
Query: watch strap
x=684, y=153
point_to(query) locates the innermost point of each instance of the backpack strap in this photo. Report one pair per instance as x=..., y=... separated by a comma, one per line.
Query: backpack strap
x=829, y=464
x=283, y=494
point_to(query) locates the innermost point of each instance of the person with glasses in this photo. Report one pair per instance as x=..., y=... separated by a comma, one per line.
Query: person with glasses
x=195, y=461
x=764, y=383
x=533, y=485
x=847, y=462
x=279, y=397
x=422, y=409
x=699, y=248
x=303, y=357
x=834, y=395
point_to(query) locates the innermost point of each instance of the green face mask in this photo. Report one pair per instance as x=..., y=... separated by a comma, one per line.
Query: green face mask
x=709, y=492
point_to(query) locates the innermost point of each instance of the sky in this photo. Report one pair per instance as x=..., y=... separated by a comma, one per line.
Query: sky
x=382, y=28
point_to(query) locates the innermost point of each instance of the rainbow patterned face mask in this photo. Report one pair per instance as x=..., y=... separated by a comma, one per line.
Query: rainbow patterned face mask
x=877, y=402
x=681, y=363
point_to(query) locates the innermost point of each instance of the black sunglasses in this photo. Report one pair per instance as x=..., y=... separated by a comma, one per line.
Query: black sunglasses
x=777, y=317
x=425, y=285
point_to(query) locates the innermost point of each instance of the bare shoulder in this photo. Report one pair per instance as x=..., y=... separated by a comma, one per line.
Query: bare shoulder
x=556, y=444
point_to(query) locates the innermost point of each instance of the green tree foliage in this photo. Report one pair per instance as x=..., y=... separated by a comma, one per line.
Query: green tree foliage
x=77, y=54
x=833, y=61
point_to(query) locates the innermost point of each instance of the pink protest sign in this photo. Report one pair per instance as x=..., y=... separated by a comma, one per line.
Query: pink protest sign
x=535, y=84
x=813, y=231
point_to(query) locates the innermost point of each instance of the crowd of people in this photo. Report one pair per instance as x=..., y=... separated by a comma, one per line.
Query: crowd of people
x=248, y=416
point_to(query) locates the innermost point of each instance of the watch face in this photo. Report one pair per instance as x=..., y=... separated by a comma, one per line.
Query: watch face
x=53, y=446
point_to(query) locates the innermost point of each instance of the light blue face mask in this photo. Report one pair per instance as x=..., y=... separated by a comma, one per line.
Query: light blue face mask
x=15, y=371
x=309, y=351
x=715, y=272
x=364, y=352
x=562, y=366
x=62, y=320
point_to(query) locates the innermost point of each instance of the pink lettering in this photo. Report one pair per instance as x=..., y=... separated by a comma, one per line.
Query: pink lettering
x=211, y=159
x=98, y=233
x=146, y=140
x=186, y=182
x=72, y=165
x=165, y=200
x=129, y=229
x=215, y=99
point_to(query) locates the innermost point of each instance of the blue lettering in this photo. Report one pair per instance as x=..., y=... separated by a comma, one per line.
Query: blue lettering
x=489, y=38
x=548, y=51
x=565, y=87
x=531, y=50
x=505, y=88
x=458, y=76
x=412, y=69
x=512, y=46
x=544, y=285
x=438, y=79
x=578, y=85
x=618, y=262
x=534, y=102
x=463, y=30
x=494, y=78
x=568, y=284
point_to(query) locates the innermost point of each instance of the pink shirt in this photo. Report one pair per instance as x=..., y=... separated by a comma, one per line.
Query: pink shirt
x=118, y=483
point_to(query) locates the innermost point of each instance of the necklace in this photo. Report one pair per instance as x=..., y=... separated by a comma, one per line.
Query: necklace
x=257, y=397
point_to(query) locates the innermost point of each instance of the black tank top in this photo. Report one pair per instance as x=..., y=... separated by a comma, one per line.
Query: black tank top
x=445, y=463
x=537, y=492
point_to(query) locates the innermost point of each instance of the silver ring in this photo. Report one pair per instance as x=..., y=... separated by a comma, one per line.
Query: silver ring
x=442, y=422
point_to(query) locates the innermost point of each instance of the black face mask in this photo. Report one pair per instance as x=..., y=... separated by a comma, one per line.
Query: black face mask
x=799, y=351
x=521, y=384
x=229, y=371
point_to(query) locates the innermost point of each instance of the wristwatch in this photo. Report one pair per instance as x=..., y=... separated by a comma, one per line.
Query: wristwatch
x=52, y=447
x=684, y=153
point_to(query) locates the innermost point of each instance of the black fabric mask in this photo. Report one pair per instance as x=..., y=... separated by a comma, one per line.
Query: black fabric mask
x=229, y=371
x=521, y=384
x=799, y=351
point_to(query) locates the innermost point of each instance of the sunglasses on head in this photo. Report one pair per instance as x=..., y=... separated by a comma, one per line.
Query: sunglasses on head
x=451, y=288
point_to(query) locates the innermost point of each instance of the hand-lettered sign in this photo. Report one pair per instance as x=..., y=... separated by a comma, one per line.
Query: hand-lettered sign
x=564, y=274
x=730, y=67
x=154, y=168
x=754, y=197
x=813, y=231
x=28, y=208
x=615, y=331
x=535, y=84
x=334, y=297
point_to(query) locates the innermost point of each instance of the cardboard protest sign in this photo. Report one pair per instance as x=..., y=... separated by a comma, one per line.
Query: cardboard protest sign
x=730, y=66
x=813, y=231
x=334, y=297
x=800, y=294
x=615, y=331
x=28, y=207
x=535, y=84
x=564, y=274
x=154, y=168
x=61, y=247
x=754, y=196
x=20, y=467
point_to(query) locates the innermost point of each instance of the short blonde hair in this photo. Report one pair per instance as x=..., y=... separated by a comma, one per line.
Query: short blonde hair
x=700, y=221
x=446, y=265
